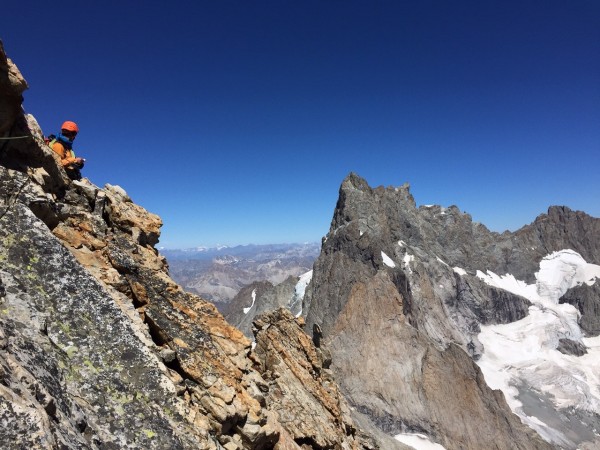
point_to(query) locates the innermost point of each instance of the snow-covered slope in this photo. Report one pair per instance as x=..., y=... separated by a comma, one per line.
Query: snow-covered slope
x=562, y=401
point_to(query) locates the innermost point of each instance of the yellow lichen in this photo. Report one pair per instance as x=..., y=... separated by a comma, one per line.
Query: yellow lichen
x=149, y=433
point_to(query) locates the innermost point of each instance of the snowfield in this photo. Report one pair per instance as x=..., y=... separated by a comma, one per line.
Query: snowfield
x=522, y=360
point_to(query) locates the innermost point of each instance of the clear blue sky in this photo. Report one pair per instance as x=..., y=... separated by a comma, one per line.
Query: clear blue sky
x=236, y=121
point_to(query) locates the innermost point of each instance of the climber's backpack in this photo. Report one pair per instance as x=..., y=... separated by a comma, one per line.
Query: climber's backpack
x=49, y=139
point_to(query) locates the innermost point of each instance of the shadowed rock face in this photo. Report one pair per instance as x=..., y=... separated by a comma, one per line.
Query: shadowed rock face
x=99, y=348
x=587, y=300
x=402, y=324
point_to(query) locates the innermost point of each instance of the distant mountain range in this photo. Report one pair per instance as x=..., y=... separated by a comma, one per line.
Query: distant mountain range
x=218, y=273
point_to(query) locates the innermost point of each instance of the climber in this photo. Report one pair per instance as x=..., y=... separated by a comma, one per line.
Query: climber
x=63, y=146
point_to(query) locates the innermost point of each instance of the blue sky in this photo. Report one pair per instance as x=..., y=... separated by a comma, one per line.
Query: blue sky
x=236, y=121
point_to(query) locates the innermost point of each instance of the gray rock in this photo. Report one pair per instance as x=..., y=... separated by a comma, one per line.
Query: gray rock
x=87, y=338
x=587, y=300
x=571, y=347
x=304, y=395
x=402, y=324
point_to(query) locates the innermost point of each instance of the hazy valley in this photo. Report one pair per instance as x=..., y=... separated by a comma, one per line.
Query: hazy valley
x=217, y=274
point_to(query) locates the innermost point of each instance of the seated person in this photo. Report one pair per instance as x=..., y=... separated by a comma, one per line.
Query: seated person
x=63, y=146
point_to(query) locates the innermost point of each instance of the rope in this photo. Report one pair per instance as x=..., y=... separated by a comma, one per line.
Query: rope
x=14, y=137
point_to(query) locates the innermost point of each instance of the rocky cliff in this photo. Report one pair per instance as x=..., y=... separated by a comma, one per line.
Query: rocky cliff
x=400, y=297
x=99, y=348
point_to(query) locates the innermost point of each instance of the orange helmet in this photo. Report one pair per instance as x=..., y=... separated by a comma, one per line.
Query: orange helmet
x=70, y=126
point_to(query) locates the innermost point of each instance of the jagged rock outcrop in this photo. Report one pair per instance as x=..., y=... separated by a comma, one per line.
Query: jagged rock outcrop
x=560, y=228
x=12, y=85
x=99, y=348
x=300, y=383
x=395, y=296
x=476, y=303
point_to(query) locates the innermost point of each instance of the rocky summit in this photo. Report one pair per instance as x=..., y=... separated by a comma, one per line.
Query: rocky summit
x=101, y=349
x=416, y=309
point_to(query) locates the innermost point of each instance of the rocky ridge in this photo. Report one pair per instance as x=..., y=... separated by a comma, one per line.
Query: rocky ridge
x=100, y=348
x=398, y=298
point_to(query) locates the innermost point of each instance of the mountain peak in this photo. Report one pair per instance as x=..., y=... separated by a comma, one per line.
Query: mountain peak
x=401, y=290
x=354, y=181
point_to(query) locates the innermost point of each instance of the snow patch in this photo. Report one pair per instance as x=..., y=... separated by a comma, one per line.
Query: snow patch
x=459, y=271
x=303, y=281
x=440, y=260
x=508, y=283
x=407, y=260
x=418, y=441
x=246, y=310
x=225, y=260
x=299, y=292
x=387, y=260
